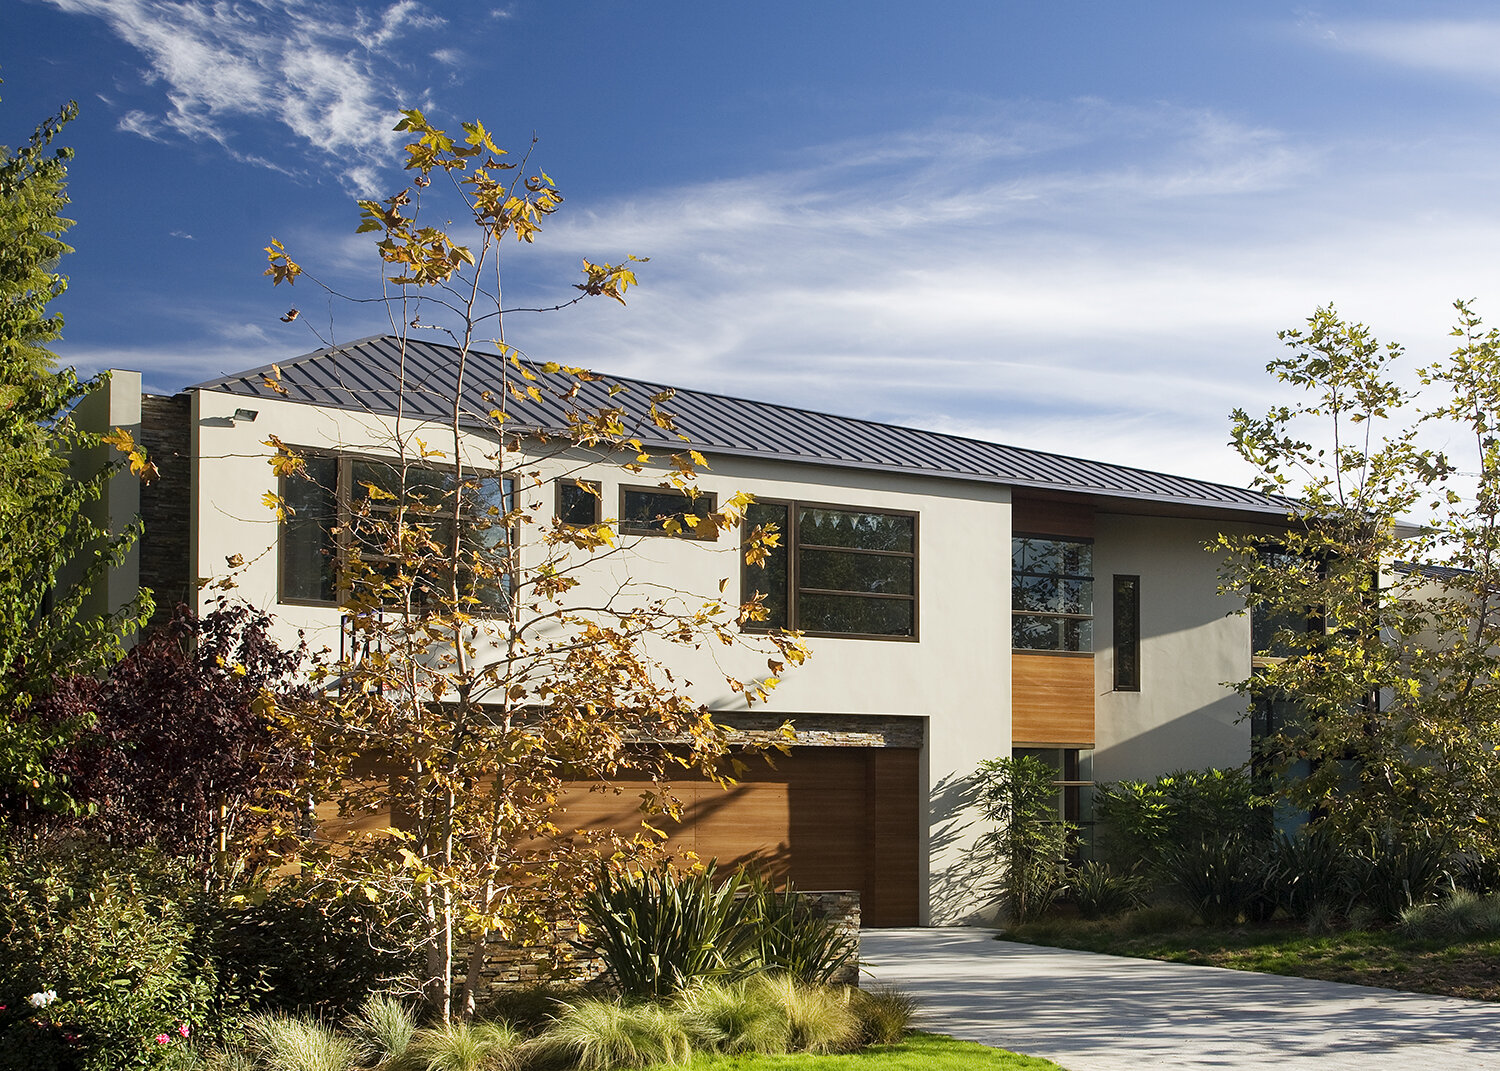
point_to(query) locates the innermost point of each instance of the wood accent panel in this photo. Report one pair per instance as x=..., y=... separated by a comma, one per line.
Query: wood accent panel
x=824, y=818
x=1052, y=699
x=1044, y=516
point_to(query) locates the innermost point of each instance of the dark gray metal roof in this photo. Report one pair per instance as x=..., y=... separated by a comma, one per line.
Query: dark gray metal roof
x=363, y=375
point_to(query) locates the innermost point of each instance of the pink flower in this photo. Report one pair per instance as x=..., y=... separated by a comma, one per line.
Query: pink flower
x=162, y=1039
x=182, y=1028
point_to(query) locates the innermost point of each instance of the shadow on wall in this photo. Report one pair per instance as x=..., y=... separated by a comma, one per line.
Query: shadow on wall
x=1214, y=735
x=962, y=889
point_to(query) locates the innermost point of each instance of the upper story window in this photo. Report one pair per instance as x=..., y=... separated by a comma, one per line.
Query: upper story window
x=1127, y=628
x=665, y=511
x=1052, y=593
x=579, y=501
x=345, y=506
x=839, y=571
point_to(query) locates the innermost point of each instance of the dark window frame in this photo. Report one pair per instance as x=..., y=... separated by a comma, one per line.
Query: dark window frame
x=344, y=506
x=792, y=546
x=595, y=491
x=1127, y=639
x=1050, y=615
x=634, y=528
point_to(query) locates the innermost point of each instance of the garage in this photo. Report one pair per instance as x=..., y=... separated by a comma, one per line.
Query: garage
x=824, y=817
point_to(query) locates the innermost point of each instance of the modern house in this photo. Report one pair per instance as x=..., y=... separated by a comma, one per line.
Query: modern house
x=962, y=599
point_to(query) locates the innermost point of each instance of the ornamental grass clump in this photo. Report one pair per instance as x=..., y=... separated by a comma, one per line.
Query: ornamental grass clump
x=597, y=1035
x=1462, y=915
x=459, y=1046
x=789, y=938
x=885, y=1014
x=821, y=1018
x=382, y=1029
x=295, y=1043
x=1101, y=892
x=734, y=1017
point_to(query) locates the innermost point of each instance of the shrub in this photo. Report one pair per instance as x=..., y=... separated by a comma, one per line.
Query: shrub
x=1312, y=875
x=299, y=946
x=1029, y=843
x=1145, y=819
x=1219, y=880
x=1099, y=892
x=885, y=1014
x=476, y=1046
x=659, y=930
x=106, y=938
x=1397, y=872
x=731, y=1017
x=789, y=938
x=297, y=1043
x=1159, y=918
x=528, y=1008
x=595, y=1035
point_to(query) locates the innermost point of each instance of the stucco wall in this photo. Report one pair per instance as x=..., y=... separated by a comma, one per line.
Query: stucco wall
x=1193, y=642
x=955, y=679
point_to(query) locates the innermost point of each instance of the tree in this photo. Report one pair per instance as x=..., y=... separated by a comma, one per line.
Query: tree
x=478, y=681
x=179, y=755
x=1376, y=612
x=1029, y=844
x=47, y=628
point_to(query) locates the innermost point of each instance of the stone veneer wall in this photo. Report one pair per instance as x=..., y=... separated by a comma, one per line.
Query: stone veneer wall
x=511, y=968
x=828, y=730
x=166, y=503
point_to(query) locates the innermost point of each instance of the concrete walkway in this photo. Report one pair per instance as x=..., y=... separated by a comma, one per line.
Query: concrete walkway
x=1104, y=1013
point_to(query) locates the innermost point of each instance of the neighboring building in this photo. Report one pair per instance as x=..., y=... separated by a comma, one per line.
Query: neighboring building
x=977, y=600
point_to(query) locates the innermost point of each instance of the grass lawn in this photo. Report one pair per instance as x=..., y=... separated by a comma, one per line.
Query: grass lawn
x=1386, y=958
x=919, y=1052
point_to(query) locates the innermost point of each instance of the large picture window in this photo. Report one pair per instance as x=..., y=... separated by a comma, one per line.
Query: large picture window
x=342, y=507
x=1052, y=594
x=839, y=571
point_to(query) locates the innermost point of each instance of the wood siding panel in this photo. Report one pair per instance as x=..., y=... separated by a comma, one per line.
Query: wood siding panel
x=1041, y=516
x=824, y=818
x=1052, y=699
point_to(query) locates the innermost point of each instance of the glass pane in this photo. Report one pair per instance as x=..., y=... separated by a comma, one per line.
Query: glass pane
x=1055, y=557
x=839, y=571
x=1077, y=635
x=648, y=511
x=770, y=577
x=1075, y=597
x=1032, y=633
x=309, y=551
x=847, y=528
x=1127, y=633
x=856, y=615
x=1037, y=593
x=577, y=503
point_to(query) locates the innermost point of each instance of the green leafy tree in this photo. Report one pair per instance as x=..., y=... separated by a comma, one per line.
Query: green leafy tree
x=1376, y=611
x=478, y=683
x=47, y=531
x=1029, y=844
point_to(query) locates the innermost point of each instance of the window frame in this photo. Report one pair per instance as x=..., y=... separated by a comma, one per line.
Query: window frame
x=1091, y=578
x=630, y=528
x=596, y=492
x=792, y=544
x=1119, y=639
x=342, y=523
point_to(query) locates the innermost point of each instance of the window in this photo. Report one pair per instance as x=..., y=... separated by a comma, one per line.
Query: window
x=665, y=511
x=1052, y=594
x=578, y=501
x=1127, y=645
x=344, y=505
x=839, y=571
x=1074, y=802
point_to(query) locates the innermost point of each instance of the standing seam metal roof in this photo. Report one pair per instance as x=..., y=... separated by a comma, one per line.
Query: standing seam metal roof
x=362, y=376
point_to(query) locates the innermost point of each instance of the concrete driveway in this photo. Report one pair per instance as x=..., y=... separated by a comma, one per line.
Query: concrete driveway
x=1104, y=1013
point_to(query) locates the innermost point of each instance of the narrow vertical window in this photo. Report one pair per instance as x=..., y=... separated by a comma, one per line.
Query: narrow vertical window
x=1127, y=633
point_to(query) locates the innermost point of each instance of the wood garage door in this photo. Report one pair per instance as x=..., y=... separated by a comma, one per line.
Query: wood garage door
x=825, y=817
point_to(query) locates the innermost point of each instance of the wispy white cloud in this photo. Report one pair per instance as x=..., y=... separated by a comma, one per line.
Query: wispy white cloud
x=1461, y=48
x=298, y=64
x=1089, y=279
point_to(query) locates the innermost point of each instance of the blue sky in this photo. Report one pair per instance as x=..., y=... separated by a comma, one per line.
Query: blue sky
x=1074, y=226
